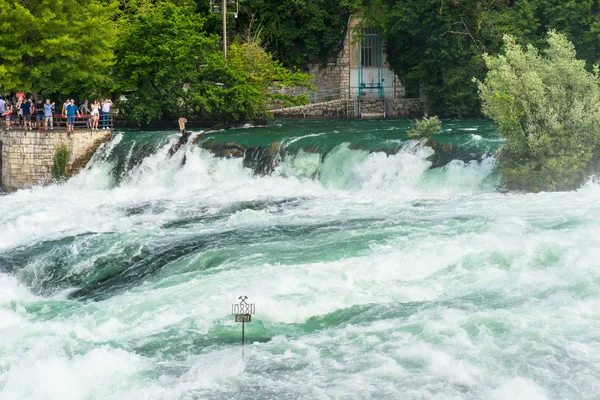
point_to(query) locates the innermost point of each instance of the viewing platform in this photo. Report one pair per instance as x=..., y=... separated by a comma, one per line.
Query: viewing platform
x=26, y=156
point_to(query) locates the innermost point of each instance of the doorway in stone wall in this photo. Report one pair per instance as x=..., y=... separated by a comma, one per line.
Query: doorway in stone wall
x=370, y=63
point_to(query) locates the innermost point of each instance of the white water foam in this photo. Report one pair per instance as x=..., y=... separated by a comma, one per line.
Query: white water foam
x=465, y=293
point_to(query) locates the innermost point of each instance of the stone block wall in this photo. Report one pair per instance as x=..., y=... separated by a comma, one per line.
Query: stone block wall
x=334, y=76
x=371, y=105
x=331, y=79
x=340, y=108
x=404, y=108
x=26, y=156
x=354, y=108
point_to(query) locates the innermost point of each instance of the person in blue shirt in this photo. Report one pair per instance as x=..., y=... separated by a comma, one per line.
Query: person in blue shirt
x=26, y=108
x=48, y=116
x=72, y=111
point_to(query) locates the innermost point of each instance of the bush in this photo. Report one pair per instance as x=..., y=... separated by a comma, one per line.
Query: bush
x=425, y=128
x=547, y=108
x=60, y=162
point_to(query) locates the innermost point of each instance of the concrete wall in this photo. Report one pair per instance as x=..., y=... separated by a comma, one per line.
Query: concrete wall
x=26, y=156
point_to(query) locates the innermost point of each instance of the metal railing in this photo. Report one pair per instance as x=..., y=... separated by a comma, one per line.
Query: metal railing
x=61, y=122
x=367, y=91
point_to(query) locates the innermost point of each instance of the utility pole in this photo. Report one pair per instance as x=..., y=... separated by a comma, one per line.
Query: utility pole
x=224, y=8
x=220, y=7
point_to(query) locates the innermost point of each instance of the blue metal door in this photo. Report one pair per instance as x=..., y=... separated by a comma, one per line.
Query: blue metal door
x=370, y=64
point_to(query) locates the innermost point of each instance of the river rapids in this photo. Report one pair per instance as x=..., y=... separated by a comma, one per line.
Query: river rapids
x=376, y=271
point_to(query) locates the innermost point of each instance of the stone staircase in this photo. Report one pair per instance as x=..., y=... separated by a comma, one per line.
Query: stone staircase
x=371, y=108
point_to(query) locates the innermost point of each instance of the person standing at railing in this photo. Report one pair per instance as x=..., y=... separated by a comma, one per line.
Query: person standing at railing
x=8, y=115
x=106, y=105
x=63, y=112
x=95, y=114
x=84, y=111
x=48, y=115
x=33, y=112
x=72, y=111
x=26, y=110
x=2, y=107
x=39, y=110
x=64, y=108
x=20, y=111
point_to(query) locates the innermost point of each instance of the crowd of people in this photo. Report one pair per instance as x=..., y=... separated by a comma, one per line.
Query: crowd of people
x=29, y=115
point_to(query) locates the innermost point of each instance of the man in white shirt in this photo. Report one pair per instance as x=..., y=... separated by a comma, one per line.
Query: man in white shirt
x=106, y=105
x=64, y=112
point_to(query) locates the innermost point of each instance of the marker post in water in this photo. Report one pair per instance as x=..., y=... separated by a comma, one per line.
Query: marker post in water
x=243, y=313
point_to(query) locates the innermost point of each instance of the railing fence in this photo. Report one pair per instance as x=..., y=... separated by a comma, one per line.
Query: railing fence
x=60, y=122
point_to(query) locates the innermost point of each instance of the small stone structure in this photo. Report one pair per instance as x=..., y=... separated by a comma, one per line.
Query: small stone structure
x=26, y=157
x=358, y=83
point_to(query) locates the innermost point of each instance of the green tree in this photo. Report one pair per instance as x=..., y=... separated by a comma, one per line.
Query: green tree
x=578, y=19
x=437, y=45
x=167, y=66
x=56, y=46
x=298, y=31
x=160, y=59
x=545, y=104
x=249, y=80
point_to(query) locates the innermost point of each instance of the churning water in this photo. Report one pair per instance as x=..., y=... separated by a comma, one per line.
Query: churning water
x=380, y=269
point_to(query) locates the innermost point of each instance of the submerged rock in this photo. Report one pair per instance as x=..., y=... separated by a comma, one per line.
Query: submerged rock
x=262, y=160
x=225, y=150
x=236, y=125
x=185, y=135
x=445, y=153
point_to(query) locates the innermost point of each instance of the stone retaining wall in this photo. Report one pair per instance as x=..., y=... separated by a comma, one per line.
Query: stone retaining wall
x=353, y=108
x=404, y=108
x=334, y=108
x=26, y=156
x=371, y=106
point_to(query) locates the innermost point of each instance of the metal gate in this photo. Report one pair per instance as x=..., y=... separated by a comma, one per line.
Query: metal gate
x=370, y=64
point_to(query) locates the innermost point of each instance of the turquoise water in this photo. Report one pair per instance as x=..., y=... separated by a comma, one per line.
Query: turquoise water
x=374, y=275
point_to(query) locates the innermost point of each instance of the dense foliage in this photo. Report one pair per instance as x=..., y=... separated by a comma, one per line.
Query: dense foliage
x=73, y=47
x=437, y=45
x=164, y=48
x=168, y=66
x=547, y=107
x=56, y=46
x=164, y=56
x=300, y=31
